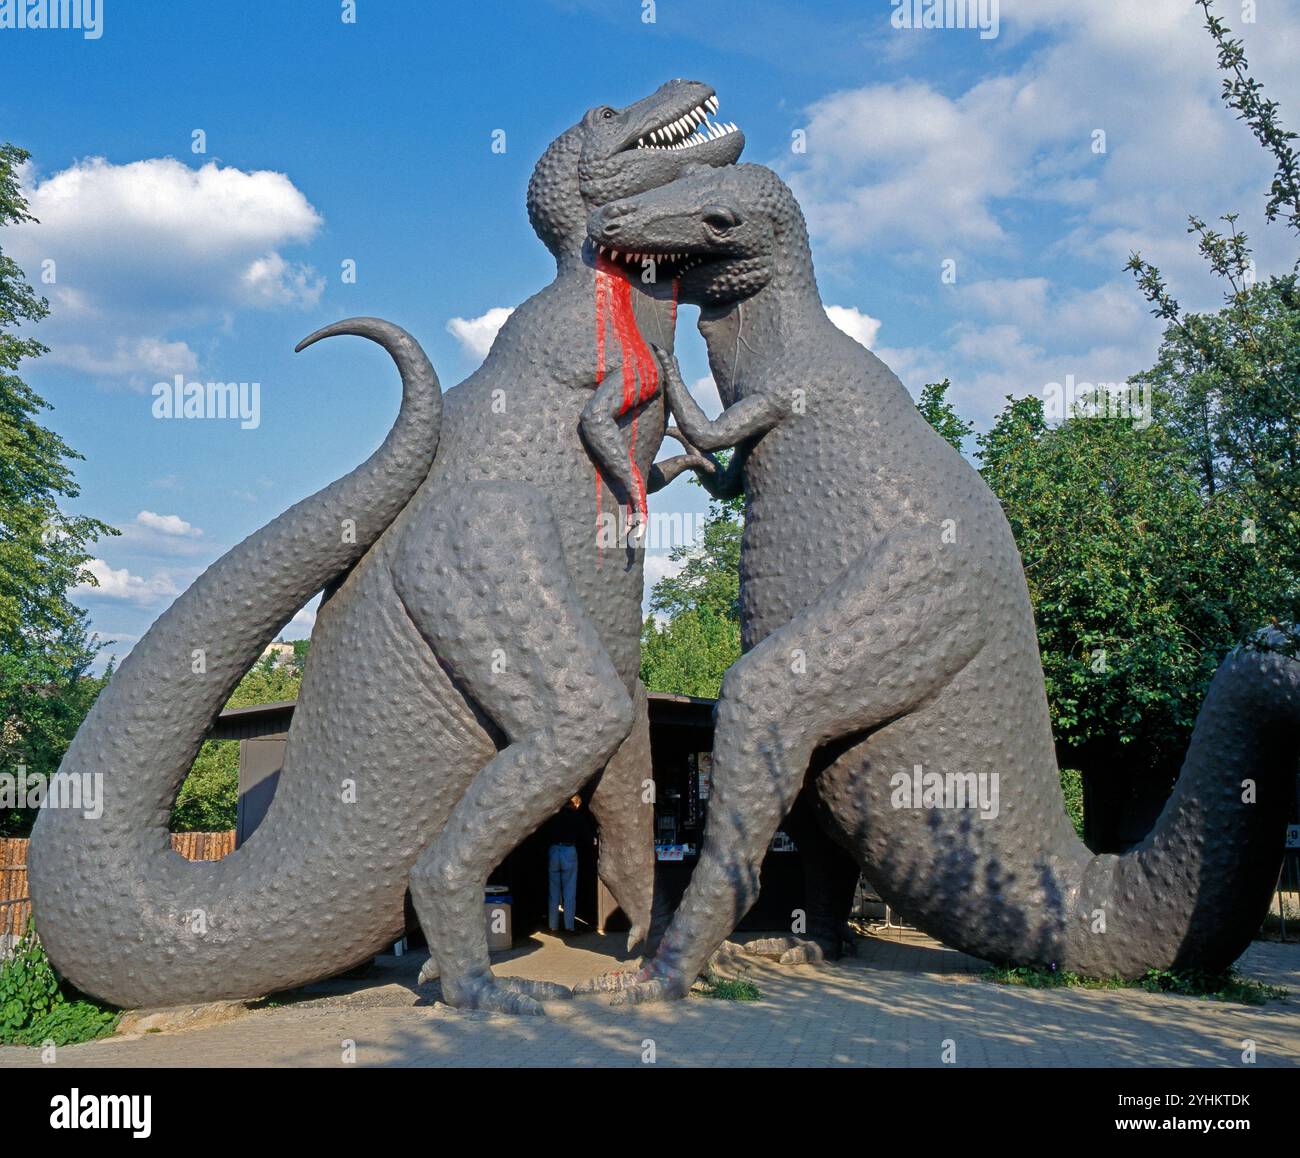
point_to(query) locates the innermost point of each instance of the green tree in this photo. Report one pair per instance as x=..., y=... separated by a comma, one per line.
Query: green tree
x=1140, y=582
x=1229, y=382
x=45, y=646
x=699, y=636
x=942, y=415
x=209, y=798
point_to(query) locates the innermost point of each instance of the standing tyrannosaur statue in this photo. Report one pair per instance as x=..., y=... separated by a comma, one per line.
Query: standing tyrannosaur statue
x=891, y=647
x=473, y=664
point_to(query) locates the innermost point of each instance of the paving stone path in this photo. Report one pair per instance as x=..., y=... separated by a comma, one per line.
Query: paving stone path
x=895, y=1004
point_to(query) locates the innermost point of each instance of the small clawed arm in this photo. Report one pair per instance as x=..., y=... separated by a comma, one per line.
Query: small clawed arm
x=604, y=437
x=744, y=420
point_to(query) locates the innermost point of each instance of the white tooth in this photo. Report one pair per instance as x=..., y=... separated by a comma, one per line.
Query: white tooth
x=640, y=142
x=613, y=255
x=600, y=248
x=712, y=104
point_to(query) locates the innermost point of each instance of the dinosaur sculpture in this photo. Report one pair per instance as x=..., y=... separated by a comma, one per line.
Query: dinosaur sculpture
x=475, y=623
x=892, y=660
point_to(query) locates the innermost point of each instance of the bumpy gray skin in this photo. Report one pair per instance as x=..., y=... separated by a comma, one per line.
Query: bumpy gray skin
x=476, y=638
x=888, y=624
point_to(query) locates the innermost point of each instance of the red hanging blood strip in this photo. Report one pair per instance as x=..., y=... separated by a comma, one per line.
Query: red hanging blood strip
x=600, y=377
x=638, y=361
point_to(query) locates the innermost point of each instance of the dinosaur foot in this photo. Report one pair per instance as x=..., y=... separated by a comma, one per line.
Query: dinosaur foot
x=502, y=994
x=490, y=994
x=657, y=987
x=539, y=990
x=786, y=950
x=634, y=986
x=612, y=982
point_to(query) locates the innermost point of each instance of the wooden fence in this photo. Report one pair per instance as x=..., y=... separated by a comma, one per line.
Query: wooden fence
x=16, y=908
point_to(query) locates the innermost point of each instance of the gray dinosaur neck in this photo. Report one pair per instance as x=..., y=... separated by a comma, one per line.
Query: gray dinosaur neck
x=769, y=328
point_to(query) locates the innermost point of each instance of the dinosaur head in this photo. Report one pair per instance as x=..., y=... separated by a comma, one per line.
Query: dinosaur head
x=613, y=153
x=725, y=233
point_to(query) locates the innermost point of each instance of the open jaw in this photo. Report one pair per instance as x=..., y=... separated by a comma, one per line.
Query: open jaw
x=680, y=262
x=689, y=130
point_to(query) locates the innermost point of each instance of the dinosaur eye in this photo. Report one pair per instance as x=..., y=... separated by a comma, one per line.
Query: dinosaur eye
x=720, y=218
x=607, y=112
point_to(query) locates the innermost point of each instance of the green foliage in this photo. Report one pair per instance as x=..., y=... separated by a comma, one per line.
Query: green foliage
x=1228, y=986
x=35, y=1009
x=1072, y=790
x=689, y=654
x=942, y=415
x=1244, y=93
x=730, y=989
x=267, y=682
x=209, y=797
x=699, y=637
x=709, y=580
x=45, y=649
x=1140, y=581
x=1228, y=385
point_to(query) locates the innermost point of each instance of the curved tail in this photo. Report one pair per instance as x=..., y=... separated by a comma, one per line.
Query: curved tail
x=123, y=916
x=1195, y=891
x=1191, y=895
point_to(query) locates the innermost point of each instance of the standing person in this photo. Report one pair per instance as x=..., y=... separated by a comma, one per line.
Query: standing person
x=566, y=830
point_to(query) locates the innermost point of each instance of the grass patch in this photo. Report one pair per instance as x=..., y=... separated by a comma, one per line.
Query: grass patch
x=36, y=1007
x=1227, y=986
x=728, y=989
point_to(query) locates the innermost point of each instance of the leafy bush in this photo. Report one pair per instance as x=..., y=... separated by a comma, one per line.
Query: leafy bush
x=34, y=1008
x=727, y=989
x=1227, y=986
x=1072, y=789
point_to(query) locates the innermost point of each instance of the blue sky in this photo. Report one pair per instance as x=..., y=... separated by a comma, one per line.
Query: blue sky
x=371, y=142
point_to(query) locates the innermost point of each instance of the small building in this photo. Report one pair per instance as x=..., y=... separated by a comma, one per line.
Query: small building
x=681, y=743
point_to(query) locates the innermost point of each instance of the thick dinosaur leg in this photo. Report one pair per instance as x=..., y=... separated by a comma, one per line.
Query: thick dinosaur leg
x=489, y=589
x=625, y=820
x=886, y=636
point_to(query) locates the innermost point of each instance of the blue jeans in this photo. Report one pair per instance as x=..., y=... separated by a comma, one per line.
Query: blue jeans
x=563, y=869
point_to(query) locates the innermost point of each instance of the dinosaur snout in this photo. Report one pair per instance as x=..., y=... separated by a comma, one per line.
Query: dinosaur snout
x=606, y=224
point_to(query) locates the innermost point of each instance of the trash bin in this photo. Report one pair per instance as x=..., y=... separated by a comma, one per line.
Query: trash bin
x=496, y=916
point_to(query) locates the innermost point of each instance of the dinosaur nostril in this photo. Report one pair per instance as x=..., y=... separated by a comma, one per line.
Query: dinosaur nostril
x=610, y=229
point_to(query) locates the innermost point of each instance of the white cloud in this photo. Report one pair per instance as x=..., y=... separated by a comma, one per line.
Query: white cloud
x=1000, y=174
x=152, y=357
x=168, y=524
x=953, y=171
x=163, y=535
x=476, y=335
x=120, y=584
x=859, y=326
x=142, y=248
